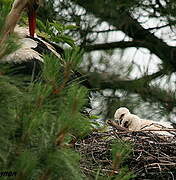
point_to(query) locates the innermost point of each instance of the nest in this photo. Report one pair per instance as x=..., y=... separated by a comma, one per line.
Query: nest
x=153, y=156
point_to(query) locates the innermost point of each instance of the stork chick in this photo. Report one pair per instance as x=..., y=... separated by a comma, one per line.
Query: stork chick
x=131, y=122
x=120, y=114
x=134, y=123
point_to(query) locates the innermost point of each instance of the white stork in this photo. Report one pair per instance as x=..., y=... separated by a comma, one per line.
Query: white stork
x=134, y=123
x=29, y=55
x=14, y=15
x=120, y=113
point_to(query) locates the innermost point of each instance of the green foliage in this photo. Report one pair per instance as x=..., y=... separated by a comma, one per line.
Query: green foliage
x=74, y=56
x=34, y=117
x=124, y=174
x=9, y=95
x=26, y=163
x=37, y=122
x=56, y=32
x=48, y=74
x=64, y=163
x=5, y=8
x=48, y=7
x=120, y=152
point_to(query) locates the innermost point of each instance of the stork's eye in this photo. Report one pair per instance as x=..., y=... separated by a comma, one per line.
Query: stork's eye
x=126, y=124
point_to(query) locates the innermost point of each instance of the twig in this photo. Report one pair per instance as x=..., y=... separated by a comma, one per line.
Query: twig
x=114, y=124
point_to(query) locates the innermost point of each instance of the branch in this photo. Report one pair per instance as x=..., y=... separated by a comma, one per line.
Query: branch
x=115, y=125
x=122, y=20
x=160, y=27
x=139, y=86
x=125, y=130
x=103, y=31
x=112, y=45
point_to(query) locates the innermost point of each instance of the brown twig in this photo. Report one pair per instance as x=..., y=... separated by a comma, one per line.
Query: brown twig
x=152, y=157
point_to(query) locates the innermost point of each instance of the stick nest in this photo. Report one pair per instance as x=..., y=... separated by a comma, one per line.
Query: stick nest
x=153, y=156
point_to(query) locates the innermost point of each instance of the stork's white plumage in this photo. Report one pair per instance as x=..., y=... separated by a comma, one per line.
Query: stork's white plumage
x=28, y=50
x=30, y=54
x=28, y=58
x=32, y=47
x=120, y=113
x=134, y=123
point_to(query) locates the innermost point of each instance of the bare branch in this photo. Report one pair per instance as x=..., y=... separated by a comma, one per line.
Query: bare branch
x=139, y=86
x=122, y=20
x=112, y=45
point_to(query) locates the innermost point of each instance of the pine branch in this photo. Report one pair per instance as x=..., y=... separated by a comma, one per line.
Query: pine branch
x=122, y=20
x=139, y=86
x=113, y=45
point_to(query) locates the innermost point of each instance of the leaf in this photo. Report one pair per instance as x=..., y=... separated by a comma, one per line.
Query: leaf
x=59, y=27
x=41, y=25
x=71, y=27
x=94, y=117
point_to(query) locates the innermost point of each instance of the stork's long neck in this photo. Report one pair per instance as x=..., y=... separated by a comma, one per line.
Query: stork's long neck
x=32, y=22
x=14, y=15
x=32, y=7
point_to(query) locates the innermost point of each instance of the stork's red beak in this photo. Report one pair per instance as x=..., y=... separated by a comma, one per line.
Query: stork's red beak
x=32, y=21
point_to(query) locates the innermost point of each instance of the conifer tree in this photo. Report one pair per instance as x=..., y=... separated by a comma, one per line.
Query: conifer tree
x=40, y=119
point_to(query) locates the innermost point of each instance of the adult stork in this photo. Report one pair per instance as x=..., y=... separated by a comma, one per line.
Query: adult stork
x=17, y=8
x=30, y=54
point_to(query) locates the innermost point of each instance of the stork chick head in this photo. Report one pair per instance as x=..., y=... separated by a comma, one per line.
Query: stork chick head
x=131, y=122
x=120, y=114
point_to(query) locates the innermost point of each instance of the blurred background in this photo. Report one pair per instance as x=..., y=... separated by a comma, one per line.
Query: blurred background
x=130, y=53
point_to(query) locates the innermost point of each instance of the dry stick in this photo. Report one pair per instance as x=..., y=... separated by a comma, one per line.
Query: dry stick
x=114, y=124
x=128, y=131
x=159, y=156
x=164, y=164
